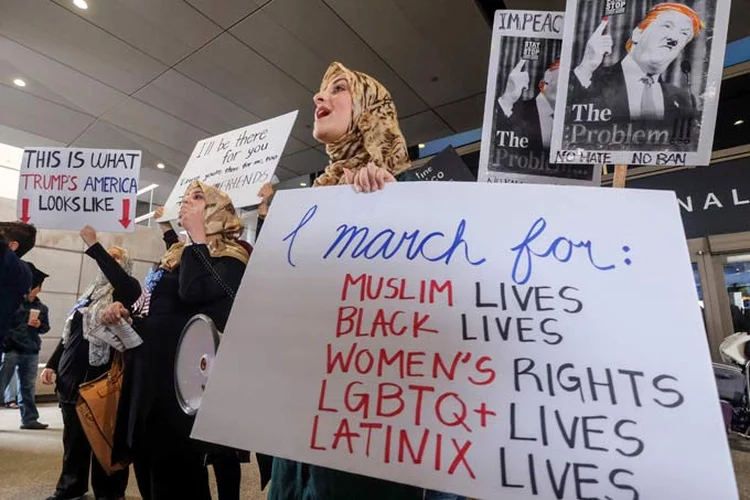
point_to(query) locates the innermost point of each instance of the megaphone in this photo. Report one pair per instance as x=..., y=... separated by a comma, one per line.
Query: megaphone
x=196, y=352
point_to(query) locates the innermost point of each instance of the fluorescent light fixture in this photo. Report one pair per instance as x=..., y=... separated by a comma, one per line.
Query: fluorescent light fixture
x=739, y=122
x=148, y=188
x=81, y=4
x=160, y=166
x=303, y=184
x=421, y=146
x=19, y=83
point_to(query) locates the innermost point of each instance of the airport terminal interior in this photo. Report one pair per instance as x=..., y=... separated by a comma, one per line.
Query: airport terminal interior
x=331, y=101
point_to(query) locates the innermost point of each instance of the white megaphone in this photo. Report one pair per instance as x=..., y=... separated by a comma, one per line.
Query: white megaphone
x=196, y=352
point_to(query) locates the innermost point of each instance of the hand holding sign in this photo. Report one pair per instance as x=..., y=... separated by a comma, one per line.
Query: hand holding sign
x=88, y=235
x=369, y=179
x=518, y=81
x=598, y=46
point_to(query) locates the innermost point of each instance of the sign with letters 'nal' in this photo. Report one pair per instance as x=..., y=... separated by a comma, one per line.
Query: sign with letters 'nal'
x=639, y=82
x=559, y=355
x=238, y=162
x=68, y=188
x=522, y=88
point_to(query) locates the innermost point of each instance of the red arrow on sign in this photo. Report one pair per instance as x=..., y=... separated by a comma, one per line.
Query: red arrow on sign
x=125, y=221
x=25, y=210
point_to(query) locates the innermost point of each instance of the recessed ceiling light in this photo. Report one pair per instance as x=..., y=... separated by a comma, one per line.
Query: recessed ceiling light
x=160, y=165
x=19, y=83
x=303, y=184
x=81, y=4
x=739, y=122
x=421, y=146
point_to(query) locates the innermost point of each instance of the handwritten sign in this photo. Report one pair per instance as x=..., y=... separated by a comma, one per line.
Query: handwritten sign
x=522, y=87
x=445, y=166
x=530, y=359
x=67, y=188
x=639, y=82
x=237, y=162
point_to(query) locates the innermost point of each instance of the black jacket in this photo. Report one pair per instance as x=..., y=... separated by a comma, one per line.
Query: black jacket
x=22, y=337
x=71, y=361
x=608, y=90
x=15, y=282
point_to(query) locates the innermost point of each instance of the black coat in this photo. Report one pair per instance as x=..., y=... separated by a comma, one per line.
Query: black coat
x=15, y=282
x=22, y=337
x=608, y=90
x=71, y=361
x=148, y=414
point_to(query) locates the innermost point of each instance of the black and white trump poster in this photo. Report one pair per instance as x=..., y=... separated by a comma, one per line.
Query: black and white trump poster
x=640, y=81
x=519, y=110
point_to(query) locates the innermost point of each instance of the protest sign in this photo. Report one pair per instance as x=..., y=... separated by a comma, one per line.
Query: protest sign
x=237, y=162
x=639, y=82
x=68, y=188
x=445, y=166
x=519, y=107
x=560, y=354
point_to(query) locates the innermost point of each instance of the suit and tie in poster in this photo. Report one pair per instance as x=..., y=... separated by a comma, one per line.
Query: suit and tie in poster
x=640, y=81
x=522, y=89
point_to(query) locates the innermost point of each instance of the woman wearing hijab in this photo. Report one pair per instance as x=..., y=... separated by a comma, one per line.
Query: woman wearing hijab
x=79, y=358
x=199, y=277
x=357, y=121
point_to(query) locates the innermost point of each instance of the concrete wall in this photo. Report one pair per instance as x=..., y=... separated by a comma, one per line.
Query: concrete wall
x=60, y=254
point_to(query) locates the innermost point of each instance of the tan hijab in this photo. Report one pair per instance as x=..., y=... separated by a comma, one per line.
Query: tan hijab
x=373, y=135
x=223, y=228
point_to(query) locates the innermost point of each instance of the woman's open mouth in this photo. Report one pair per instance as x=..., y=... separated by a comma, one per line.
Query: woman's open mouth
x=322, y=112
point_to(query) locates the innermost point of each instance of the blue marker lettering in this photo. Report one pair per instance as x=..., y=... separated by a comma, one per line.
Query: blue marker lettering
x=293, y=235
x=561, y=249
x=385, y=244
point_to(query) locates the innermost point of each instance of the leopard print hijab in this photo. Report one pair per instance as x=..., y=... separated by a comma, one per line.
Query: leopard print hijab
x=223, y=228
x=373, y=135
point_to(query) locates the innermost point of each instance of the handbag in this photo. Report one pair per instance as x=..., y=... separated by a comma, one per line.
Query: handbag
x=97, y=410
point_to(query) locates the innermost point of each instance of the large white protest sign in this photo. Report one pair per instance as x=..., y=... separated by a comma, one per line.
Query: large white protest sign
x=237, y=162
x=519, y=107
x=639, y=82
x=559, y=354
x=67, y=188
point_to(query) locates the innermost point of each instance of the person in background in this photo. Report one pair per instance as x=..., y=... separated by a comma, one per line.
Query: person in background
x=11, y=392
x=22, y=346
x=16, y=239
x=200, y=277
x=77, y=360
x=225, y=461
x=356, y=119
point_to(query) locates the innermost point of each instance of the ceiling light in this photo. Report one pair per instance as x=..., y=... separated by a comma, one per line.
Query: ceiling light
x=19, y=83
x=160, y=166
x=81, y=4
x=421, y=146
x=739, y=122
x=303, y=184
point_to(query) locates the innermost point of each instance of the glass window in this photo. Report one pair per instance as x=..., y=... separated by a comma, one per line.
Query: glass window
x=737, y=278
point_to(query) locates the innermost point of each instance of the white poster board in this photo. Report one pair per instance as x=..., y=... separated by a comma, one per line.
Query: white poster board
x=238, y=162
x=68, y=188
x=565, y=343
x=640, y=86
x=519, y=107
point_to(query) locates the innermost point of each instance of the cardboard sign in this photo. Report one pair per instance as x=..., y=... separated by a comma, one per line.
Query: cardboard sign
x=68, y=188
x=640, y=82
x=519, y=108
x=560, y=354
x=445, y=166
x=237, y=162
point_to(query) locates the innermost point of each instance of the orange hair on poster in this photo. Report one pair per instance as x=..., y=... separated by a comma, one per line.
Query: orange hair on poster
x=555, y=65
x=663, y=7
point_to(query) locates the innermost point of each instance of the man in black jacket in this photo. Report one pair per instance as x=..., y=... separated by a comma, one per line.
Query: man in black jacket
x=16, y=239
x=632, y=89
x=22, y=346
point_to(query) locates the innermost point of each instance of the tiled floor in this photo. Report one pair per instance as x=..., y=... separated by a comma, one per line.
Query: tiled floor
x=30, y=461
